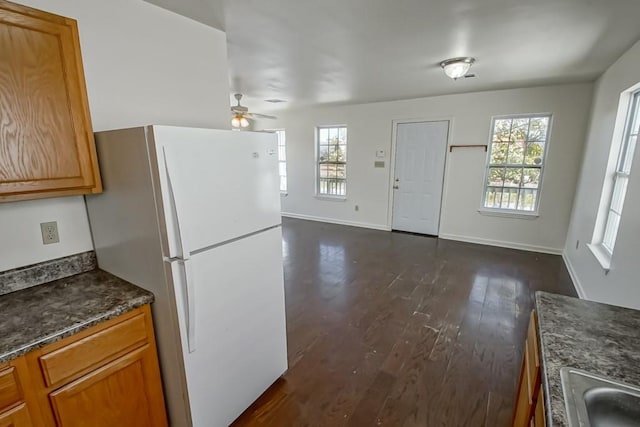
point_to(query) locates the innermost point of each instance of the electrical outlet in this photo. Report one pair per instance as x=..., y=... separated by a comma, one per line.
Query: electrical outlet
x=49, y=232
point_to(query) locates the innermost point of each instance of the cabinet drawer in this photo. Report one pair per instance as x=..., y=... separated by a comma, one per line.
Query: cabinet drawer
x=93, y=351
x=17, y=417
x=10, y=392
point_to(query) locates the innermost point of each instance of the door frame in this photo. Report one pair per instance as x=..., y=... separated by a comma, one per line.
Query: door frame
x=392, y=162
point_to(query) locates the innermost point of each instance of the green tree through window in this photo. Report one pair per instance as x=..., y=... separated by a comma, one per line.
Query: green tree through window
x=332, y=160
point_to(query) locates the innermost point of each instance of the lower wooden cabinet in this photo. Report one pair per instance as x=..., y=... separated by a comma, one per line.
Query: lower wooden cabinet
x=13, y=409
x=529, y=409
x=107, y=375
x=10, y=389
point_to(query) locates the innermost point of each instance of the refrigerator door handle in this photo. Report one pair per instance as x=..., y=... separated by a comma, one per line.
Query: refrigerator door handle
x=182, y=238
x=189, y=286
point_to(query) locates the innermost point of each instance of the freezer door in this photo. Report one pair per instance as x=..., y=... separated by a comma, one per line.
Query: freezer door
x=217, y=185
x=236, y=302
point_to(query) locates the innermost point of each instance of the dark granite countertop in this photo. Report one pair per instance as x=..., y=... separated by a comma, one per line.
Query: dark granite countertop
x=597, y=338
x=34, y=317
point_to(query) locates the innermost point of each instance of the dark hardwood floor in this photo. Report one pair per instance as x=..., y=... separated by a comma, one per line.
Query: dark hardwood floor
x=397, y=329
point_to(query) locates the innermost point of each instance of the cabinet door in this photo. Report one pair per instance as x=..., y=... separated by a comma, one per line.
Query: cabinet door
x=16, y=417
x=46, y=138
x=126, y=392
x=523, y=410
x=541, y=421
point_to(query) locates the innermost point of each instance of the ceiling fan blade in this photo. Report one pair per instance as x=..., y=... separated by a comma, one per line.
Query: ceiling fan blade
x=259, y=116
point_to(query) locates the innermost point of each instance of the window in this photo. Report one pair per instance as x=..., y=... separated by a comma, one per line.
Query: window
x=332, y=161
x=515, y=163
x=282, y=159
x=621, y=175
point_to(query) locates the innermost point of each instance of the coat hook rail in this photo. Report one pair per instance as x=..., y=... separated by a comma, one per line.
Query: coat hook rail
x=451, y=147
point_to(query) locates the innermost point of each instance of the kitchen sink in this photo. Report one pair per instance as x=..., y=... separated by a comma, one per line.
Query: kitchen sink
x=595, y=401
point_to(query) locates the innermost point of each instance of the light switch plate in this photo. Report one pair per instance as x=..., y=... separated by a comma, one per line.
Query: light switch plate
x=49, y=232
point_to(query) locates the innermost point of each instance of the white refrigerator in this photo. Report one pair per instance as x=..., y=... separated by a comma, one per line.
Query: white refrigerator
x=193, y=215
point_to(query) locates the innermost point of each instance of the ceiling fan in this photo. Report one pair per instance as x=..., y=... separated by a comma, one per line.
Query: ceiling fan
x=241, y=115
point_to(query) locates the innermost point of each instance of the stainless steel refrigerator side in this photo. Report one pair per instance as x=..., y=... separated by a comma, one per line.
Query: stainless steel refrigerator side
x=127, y=225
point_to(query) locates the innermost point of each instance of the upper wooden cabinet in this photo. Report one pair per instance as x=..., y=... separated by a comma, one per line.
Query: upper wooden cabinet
x=46, y=138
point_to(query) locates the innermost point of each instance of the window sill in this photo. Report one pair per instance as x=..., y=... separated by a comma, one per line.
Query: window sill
x=603, y=257
x=331, y=198
x=508, y=213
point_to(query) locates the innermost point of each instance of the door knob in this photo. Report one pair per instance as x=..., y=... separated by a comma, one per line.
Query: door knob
x=396, y=187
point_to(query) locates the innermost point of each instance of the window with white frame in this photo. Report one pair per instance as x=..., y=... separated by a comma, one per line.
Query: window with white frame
x=282, y=159
x=331, y=144
x=515, y=163
x=621, y=175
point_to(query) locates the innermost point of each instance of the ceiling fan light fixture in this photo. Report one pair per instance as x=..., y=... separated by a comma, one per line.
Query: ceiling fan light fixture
x=457, y=67
x=239, y=121
x=240, y=114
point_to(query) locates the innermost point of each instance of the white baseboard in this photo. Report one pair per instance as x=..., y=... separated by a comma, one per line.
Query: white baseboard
x=502, y=244
x=574, y=277
x=337, y=221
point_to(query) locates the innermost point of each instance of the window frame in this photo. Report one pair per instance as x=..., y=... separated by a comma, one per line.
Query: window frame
x=318, y=194
x=284, y=147
x=602, y=251
x=515, y=213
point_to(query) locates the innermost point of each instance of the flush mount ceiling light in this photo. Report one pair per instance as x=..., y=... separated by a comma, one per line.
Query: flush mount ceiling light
x=457, y=67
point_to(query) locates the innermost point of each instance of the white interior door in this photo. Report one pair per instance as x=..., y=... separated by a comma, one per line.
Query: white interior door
x=419, y=174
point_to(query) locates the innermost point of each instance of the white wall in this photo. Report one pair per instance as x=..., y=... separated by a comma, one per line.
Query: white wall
x=20, y=230
x=370, y=129
x=143, y=64
x=620, y=286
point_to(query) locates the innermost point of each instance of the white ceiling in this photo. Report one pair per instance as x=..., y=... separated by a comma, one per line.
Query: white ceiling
x=352, y=51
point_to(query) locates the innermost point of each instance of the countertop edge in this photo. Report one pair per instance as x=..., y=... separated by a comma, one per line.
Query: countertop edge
x=543, y=365
x=74, y=329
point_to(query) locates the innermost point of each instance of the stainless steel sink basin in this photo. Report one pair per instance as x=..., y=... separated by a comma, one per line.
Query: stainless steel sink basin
x=595, y=401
